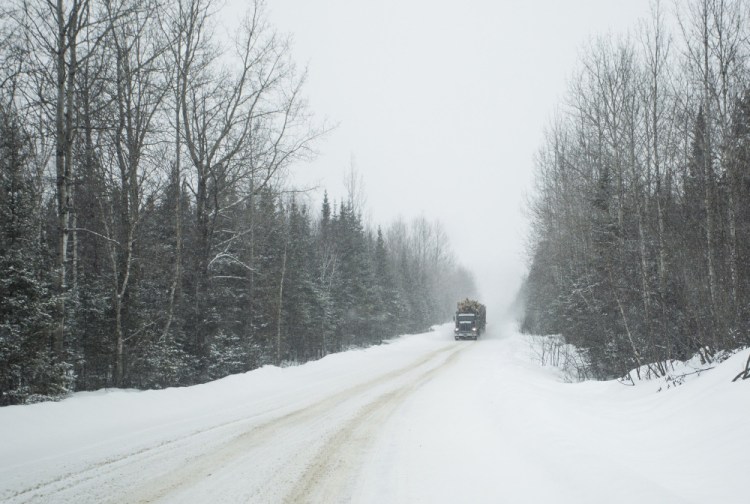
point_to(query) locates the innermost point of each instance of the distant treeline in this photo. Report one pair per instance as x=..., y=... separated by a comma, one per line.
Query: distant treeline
x=147, y=237
x=641, y=216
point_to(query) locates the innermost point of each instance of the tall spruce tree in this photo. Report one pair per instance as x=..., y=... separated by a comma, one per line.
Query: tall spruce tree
x=28, y=368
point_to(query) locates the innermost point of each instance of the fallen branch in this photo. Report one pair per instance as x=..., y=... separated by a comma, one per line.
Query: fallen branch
x=745, y=373
x=683, y=375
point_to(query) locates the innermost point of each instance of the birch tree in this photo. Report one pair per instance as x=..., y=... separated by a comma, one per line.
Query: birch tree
x=136, y=97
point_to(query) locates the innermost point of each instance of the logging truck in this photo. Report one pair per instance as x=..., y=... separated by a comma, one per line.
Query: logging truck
x=470, y=319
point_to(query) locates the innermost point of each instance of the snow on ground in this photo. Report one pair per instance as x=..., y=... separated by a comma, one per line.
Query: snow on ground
x=420, y=419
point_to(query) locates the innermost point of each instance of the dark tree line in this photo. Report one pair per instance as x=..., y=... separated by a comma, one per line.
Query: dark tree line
x=641, y=221
x=146, y=236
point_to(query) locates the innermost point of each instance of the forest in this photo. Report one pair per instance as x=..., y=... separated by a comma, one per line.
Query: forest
x=640, y=248
x=151, y=234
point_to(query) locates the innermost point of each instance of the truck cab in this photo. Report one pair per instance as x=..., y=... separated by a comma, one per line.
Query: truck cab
x=466, y=326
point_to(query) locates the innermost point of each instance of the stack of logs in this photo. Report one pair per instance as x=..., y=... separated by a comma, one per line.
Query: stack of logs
x=470, y=306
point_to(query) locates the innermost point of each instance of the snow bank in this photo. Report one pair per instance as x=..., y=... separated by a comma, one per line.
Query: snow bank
x=42, y=440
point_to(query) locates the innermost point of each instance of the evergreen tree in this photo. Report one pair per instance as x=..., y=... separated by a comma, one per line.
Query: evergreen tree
x=269, y=241
x=29, y=370
x=301, y=304
x=387, y=298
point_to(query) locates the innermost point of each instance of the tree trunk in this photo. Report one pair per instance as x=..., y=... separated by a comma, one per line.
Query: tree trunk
x=281, y=298
x=733, y=259
x=64, y=134
x=708, y=173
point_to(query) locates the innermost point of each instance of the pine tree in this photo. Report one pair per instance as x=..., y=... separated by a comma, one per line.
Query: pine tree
x=29, y=370
x=302, y=305
x=387, y=298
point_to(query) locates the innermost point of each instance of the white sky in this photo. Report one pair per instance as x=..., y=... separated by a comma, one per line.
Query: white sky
x=442, y=107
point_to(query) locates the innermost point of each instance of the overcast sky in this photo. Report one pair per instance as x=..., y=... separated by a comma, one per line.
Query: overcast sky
x=442, y=107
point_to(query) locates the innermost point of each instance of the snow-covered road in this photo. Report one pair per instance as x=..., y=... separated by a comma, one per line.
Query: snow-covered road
x=420, y=419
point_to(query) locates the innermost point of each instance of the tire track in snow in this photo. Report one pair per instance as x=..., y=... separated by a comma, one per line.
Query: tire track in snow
x=318, y=440
x=332, y=474
x=182, y=462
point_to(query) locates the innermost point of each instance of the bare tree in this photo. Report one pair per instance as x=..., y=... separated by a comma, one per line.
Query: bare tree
x=243, y=125
x=135, y=97
x=354, y=184
x=59, y=38
x=657, y=127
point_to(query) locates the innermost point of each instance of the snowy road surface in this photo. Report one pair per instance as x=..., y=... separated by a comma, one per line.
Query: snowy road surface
x=420, y=419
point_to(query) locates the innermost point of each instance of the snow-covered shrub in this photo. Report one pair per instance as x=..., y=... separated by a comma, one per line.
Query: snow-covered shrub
x=552, y=350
